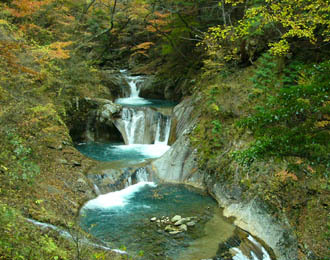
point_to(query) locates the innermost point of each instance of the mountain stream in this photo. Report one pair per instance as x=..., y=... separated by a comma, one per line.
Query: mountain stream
x=143, y=217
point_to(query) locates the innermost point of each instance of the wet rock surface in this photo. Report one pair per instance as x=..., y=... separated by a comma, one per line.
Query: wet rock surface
x=179, y=164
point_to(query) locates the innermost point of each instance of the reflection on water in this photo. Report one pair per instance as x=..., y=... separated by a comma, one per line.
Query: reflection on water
x=216, y=231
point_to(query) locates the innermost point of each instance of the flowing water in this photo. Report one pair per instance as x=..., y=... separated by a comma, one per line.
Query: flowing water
x=134, y=99
x=122, y=218
x=137, y=124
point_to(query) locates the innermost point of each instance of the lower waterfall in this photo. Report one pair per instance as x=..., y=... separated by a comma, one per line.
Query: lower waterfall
x=134, y=121
x=163, y=129
x=145, y=126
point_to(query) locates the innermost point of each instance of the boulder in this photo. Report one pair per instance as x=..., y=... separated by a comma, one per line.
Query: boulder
x=182, y=221
x=115, y=82
x=176, y=218
x=151, y=89
x=108, y=111
x=183, y=227
x=170, y=228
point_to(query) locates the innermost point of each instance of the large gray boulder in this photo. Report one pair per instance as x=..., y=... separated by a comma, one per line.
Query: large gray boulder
x=116, y=82
x=151, y=89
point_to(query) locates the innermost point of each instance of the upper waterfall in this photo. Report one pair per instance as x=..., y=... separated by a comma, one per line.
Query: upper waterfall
x=143, y=125
x=133, y=99
x=133, y=83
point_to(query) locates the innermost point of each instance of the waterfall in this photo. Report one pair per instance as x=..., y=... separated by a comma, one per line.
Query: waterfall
x=257, y=251
x=133, y=98
x=128, y=182
x=134, y=122
x=133, y=83
x=142, y=175
x=97, y=190
x=142, y=124
x=163, y=129
x=146, y=126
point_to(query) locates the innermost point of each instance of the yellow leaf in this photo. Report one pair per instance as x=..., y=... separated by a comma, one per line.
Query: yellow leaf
x=215, y=107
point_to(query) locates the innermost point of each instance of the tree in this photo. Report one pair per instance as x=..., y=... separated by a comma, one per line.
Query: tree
x=280, y=26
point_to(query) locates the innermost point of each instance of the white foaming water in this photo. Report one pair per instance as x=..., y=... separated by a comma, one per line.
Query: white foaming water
x=67, y=235
x=117, y=198
x=133, y=99
x=133, y=82
x=240, y=256
x=97, y=190
x=163, y=130
x=134, y=121
x=154, y=150
x=142, y=175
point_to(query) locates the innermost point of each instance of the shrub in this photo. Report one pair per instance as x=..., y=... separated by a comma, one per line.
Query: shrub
x=295, y=119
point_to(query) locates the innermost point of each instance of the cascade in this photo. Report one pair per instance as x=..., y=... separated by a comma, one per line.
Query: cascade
x=141, y=175
x=70, y=236
x=143, y=125
x=97, y=190
x=128, y=182
x=134, y=122
x=163, y=129
x=124, y=211
x=133, y=99
x=258, y=249
x=133, y=83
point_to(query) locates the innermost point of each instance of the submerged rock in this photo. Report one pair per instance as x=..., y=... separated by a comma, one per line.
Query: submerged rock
x=175, y=232
x=153, y=219
x=191, y=223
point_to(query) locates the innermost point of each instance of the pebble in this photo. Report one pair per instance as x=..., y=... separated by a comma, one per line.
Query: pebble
x=153, y=219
